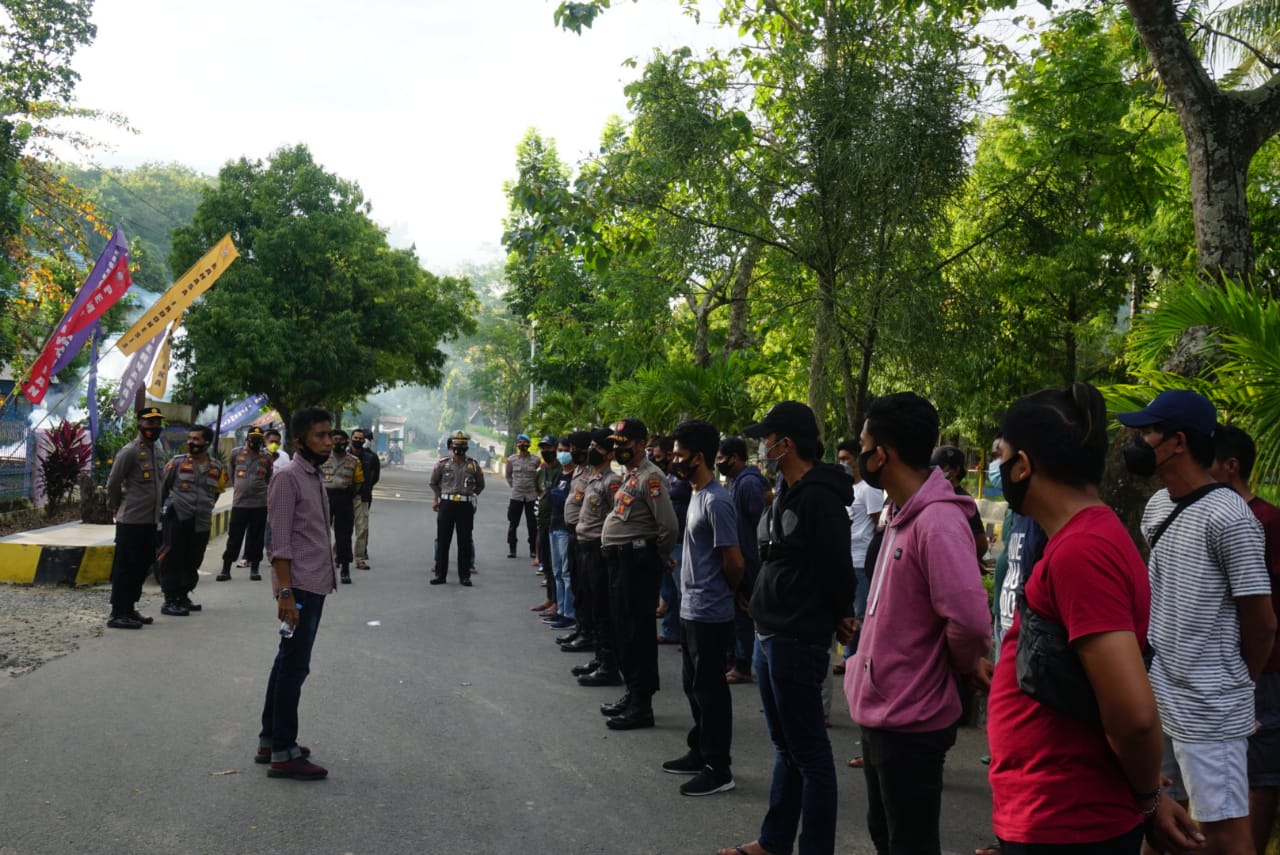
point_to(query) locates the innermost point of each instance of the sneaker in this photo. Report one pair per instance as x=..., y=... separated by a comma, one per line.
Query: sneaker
x=299, y=768
x=362, y=565
x=562, y=623
x=707, y=782
x=264, y=754
x=244, y=562
x=689, y=764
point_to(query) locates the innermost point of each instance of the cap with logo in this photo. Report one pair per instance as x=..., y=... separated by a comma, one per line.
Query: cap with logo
x=150, y=413
x=788, y=418
x=1180, y=406
x=254, y=431
x=629, y=429
x=948, y=457
x=457, y=437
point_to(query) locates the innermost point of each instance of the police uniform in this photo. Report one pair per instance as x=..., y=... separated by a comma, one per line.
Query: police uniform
x=133, y=495
x=583, y=637
x=191, y=489
x=343, y=475
x=456, y=484
x=637, y=540
x=598, y=490
x=522, y=478
x=248, y=472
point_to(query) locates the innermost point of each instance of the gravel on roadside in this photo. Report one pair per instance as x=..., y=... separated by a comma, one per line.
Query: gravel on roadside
x=38, y=624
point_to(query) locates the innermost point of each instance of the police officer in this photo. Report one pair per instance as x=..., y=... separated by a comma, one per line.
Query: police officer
x=192, y=483
x=522, y=474
x=637, y=540
x=133, y=496
x=343, y=476
x=583, y=638
x=456, y=481
x=548, y=469
x=600, y=487
x=250, y=469
x=372, y=468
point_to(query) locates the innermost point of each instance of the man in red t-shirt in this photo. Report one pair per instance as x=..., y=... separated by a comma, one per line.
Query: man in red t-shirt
x=1233, y=456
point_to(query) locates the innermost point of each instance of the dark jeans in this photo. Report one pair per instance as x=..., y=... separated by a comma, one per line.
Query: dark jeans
x=1125, y=844
x=802, y=795
x=460, y=516
x=288, y=673
x=183, y=554
x=246, y=521
x=595, y=584
x=705, y=647
x=515, y=509
x=744, y=640
x=634, y=576
x=904, y=788
x=134, y=554
x=342, y=515
x=581, y=591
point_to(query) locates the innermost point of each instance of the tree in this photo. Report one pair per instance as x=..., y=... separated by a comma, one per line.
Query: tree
x=318, y=310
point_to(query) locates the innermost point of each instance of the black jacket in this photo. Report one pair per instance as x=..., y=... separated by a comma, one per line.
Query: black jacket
x=806, y=581
x=372, y=467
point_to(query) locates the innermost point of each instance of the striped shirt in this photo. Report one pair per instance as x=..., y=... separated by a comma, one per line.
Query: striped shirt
x=298, y=519
x=1209, y=556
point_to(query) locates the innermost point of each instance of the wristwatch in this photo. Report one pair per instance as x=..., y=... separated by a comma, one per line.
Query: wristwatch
x=285, y=592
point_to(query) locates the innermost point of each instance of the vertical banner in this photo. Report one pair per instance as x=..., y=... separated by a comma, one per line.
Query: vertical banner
x=241, y=413
x=160, y=371
x=106, y=284
x=91, y=396
x=134, y=373
x=181, y=294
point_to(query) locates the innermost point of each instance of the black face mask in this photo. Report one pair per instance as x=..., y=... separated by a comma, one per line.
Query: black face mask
x=872, y=478
x=461, y=450
x=682, y=469
x=150, y=434
x=1015, y=492
x=1140, y=458
x=313, y=457
x=548, y=455
x=340, y=448
x=197, y=449
x=595, y=457
x=357, y=444
x=625, y=455
x=255, y=443
x=723, y=468
x=580, y=456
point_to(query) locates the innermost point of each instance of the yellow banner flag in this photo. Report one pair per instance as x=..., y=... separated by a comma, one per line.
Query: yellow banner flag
x=160, y=372
x=180, y=295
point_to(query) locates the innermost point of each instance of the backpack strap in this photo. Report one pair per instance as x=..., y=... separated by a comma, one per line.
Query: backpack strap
x=1182, y=504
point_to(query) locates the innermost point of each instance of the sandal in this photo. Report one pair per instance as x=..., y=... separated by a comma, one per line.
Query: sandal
x=990, y=849
x=734, y=677
x=856, y=762
x=741, y=849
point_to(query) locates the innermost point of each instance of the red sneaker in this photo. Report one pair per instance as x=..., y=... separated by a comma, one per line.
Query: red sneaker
x=264, y=754
x=299, y=767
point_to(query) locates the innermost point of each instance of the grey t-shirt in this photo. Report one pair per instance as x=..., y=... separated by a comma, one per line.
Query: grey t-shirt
x=712, y=523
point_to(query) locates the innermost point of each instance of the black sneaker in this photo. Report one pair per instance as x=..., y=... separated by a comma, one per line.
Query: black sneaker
x=190, y=606
x=689, y=764
x=707, y=782
x=436, y=580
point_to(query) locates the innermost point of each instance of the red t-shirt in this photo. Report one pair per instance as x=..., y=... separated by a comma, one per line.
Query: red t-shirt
x=1054, y=779
x=1269, y=515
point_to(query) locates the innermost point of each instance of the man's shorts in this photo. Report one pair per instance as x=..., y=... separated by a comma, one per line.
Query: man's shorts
x=1212, y=775
x=1264, y=746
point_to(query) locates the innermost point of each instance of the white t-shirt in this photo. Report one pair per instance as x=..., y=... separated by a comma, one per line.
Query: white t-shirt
x=866, y=501
x=1211, y=554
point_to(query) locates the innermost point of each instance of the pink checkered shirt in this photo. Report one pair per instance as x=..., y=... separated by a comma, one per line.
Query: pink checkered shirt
x=298, y=520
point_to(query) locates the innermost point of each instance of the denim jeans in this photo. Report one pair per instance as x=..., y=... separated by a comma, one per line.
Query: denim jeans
x=288, y=673
x=744, y=641
x=802, y=796
x=670, y=593
x=560, y=567
x=904, y=788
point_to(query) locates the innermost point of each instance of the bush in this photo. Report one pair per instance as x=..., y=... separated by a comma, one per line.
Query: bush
x=65, y=453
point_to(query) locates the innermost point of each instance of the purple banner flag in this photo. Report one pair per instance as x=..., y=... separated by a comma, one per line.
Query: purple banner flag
x=241, y=413
x=135, y=374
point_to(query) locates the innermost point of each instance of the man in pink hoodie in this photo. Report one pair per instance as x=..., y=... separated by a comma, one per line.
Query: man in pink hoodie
x=926, y=622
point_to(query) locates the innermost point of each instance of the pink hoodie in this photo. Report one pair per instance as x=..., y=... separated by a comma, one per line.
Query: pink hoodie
x=927, y=617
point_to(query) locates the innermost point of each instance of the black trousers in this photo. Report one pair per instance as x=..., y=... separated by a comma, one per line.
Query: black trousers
x=706, y=646
x=460, y=517
x=634, y=577
x=246, y=521
x=134, y=554
x=516, y=508
x=904, y=788
x=183, y=553
x=342, y=515
x=595, y=584
x=544, y=558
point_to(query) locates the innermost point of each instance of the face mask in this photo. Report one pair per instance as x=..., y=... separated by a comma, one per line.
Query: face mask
x=625, y=455
x=1140, y=458
x=255, y=443
x=564, y=458
x=196, y=449
x=1015, y=492
x=993, y=473
x=548, y=456
x=723, y=468
x=313, y=457
x=848, y=469
x=150, y=434
x=578, y=456
x=770, y=468
x=682, y=469
x=273, y=447
x=461, y=450
x=873, y=478
x=340, y=448
x=766, y=448
x=595, y=457
x=357, y=444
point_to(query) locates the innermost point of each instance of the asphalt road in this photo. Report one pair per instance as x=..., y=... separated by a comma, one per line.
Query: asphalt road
x=446, y=716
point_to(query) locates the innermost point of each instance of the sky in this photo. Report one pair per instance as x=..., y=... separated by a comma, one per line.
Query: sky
x=422, y=102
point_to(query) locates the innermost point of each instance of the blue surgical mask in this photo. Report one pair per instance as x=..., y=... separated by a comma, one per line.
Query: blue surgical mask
x=993, y=473
x=564, y=458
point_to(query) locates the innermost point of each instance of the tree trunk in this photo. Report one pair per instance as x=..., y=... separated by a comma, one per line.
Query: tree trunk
x=738, y=339
x=824, y=331
x=702, y=332
x=866, y=351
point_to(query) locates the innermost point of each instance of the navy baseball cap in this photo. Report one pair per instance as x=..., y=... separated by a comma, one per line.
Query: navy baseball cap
x=579, y=439
x=788, y=418
x=628, y=429
x=1180, y=406
x=548, y=441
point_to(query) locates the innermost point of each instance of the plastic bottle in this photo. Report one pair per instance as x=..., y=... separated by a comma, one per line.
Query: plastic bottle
x=286, y=631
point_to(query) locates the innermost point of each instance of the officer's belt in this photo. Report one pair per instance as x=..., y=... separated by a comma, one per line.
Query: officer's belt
x=458, y=497
x=638, y=543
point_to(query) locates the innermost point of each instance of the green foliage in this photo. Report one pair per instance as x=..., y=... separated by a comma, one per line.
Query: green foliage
x=318, y=310
x=664, y=394
x=66, y=453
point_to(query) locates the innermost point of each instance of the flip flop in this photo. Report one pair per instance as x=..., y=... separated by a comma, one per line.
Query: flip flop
x=856, y=762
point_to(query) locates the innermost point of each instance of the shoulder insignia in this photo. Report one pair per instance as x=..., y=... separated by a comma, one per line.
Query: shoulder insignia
x=655, y=488
x=614, y=487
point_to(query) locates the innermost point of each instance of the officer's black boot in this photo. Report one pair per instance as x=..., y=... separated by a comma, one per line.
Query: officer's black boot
x=226, y=571
x=346, y=574
x=254, y=575
x=437, y=576
x=639, y=714
x=618, y=707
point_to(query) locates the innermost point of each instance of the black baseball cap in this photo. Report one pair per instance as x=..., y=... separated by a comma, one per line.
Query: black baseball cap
x=547, y=441
x=629, y=429
x=1180, y=406
x=788, y=418
x=948, y=457
x=604, y=437
x=579, y=439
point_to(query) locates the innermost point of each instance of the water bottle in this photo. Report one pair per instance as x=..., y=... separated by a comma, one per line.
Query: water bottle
x=286, y=631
